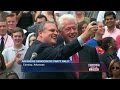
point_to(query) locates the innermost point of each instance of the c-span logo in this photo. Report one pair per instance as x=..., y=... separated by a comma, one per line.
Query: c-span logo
x=94, y=67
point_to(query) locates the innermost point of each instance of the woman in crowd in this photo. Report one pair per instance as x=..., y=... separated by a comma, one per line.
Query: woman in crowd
x=30, y=38
x=114, y=69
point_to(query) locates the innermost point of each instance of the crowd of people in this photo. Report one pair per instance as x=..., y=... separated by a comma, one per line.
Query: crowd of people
x=59, y=35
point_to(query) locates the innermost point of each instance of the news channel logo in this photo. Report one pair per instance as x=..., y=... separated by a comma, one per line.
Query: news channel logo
x=94, y=67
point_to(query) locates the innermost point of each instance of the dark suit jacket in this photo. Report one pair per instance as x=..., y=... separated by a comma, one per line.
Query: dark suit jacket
x=88, y=54
x=106, y=59
x=48, y=52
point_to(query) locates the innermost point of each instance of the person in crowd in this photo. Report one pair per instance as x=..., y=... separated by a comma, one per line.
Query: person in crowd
x=118, y=24
x=5, y=39
x=38, y=20
x=110, y=22
x=12, y=21
x=25, y=19
x=13, y=55
x=114, y=69
x=81, y=28
x=108, y=44
x=60, y=13
x=3, y=14
x=49, y=15
x=80, y=16
x=30, y=39
x=100, y=16
x=45, y=47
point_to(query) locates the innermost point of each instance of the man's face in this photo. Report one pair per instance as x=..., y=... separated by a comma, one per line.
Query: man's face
x=17, y=38
x=49, y=34
x=110, y=21
x=69, y=31
x=11, y=22
x=101, y=29
x=3, y=28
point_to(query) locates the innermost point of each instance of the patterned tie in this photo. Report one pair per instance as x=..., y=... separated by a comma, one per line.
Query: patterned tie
x=75, y=59
x=2, y=44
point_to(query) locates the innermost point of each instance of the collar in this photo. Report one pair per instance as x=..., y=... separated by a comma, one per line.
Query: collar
x=21, y=49
x=112, y=30
x=5, y=36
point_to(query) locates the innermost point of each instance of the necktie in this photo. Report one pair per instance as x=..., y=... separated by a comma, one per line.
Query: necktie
x=2, y=44
x=75, y=59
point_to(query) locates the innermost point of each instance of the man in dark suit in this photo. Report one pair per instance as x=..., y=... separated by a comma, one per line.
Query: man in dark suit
x=45, y=47
x=87, y=54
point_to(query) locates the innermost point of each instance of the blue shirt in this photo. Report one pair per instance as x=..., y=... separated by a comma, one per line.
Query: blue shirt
x=92, y=42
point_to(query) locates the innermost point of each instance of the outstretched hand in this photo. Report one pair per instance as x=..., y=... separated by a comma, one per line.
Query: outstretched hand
x=90, y=30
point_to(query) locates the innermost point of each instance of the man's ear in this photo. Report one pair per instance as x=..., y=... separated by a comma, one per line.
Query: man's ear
x=40, y=33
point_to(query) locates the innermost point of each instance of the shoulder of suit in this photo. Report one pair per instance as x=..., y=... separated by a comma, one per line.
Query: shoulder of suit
x=88, y=47
x=37, y=44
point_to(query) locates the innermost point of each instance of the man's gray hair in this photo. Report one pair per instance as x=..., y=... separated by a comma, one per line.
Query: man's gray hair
x=65, y=17
x=41, y=26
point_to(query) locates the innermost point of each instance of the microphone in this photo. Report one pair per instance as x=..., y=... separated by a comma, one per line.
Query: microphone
x=34, y=54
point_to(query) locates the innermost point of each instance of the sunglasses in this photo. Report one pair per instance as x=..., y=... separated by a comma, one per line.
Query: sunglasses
x=115, y=68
